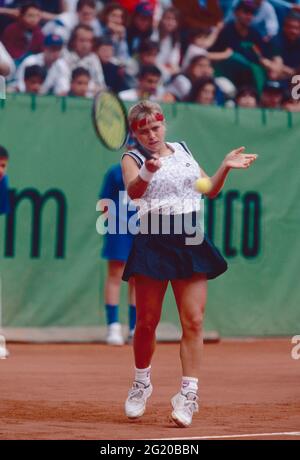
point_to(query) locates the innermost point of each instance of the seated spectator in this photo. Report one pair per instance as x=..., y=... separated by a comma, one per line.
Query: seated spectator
x=148, y=86
x=203, y=92
x=181, y=84
x=147, y=54
x=34, y=76
x=80, y=79
x=272, y=95
x=113, y=21
x=9, y=11
x=114, y=75
x=141, y=26
x=63, y=24
x=244, y=67
x=7, y=65
x=168, y=58
x=200, y=41
x=287, y=46
x=24, y=36
x=53, y=45
x=264, y=19
x=247, y=97
x=79, y=54
x=199, y=67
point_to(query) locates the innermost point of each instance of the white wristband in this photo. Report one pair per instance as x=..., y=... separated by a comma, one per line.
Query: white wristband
x=145, y=174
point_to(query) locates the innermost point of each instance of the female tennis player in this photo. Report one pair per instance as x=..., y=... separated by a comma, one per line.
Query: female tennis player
x=165, y=188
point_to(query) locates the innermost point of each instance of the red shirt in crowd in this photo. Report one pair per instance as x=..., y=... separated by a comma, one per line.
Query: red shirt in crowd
x=20, y=41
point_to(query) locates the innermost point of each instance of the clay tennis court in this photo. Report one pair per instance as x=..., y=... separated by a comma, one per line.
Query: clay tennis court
x=249, y=390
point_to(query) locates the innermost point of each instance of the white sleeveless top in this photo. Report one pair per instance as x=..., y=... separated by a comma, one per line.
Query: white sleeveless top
x=171, y=189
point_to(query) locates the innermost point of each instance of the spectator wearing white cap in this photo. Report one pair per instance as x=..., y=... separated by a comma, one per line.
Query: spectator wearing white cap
x=79, y=54
x=53, y=45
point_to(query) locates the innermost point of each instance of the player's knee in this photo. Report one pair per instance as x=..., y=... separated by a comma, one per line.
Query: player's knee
x=193, y=324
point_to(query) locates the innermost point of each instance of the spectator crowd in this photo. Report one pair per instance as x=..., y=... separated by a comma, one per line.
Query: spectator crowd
x=224, y=52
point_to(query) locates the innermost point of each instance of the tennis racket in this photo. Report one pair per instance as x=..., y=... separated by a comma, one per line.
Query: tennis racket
x=110, y=121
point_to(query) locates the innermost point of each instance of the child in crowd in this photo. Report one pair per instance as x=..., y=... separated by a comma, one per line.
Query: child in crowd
x=80, y=79
x=203, y=91
x=247, y=97
x=113, y=20
x=168, y=58
x=34, y=77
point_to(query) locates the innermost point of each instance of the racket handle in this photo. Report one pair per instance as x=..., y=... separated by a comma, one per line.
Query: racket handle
x=144, y=152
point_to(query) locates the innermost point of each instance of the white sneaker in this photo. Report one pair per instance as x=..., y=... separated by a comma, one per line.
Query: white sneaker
x=114, y=334
x=4, y=353
x=184, y=407
x=135, y=404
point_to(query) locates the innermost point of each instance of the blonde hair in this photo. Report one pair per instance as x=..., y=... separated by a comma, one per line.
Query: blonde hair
x=143, y=109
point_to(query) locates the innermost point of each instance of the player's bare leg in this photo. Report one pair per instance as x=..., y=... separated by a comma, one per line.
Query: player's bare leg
x=190, y=297
x=149, y=297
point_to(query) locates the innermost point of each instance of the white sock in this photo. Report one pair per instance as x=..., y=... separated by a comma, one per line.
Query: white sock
x=189, y=384
x=143, y=375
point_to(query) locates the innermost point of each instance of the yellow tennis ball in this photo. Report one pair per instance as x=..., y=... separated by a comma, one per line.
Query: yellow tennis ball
x=203, y=185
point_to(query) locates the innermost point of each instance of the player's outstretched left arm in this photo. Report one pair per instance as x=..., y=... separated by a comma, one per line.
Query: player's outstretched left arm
x=236, y=159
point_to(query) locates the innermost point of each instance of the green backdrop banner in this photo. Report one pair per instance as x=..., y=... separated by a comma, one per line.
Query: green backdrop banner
x=50, y=267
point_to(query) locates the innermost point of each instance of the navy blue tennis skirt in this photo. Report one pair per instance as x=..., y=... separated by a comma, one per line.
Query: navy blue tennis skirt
x=168, y=256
